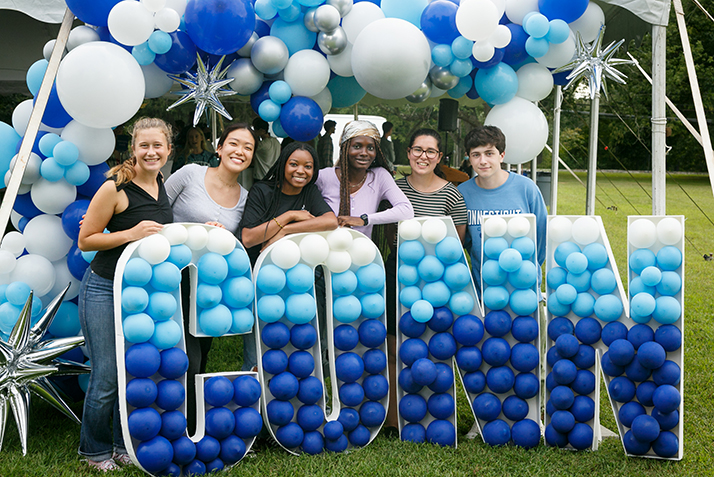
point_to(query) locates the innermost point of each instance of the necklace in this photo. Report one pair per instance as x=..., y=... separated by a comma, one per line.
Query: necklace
x=357, y=186
x=227, y=184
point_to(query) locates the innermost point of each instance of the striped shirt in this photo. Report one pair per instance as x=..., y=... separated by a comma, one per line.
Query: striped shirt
x=445, y=201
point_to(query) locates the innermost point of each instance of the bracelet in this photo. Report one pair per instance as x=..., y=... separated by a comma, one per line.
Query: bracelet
x=276, y=221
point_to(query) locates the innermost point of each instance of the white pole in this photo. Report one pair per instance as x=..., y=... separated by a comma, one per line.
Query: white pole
x=659, y=120
x=696, y=94
x=33, y=124
x=555, y=151
x=592, y=163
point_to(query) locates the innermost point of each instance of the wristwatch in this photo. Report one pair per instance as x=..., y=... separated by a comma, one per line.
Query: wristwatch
x=365, y=219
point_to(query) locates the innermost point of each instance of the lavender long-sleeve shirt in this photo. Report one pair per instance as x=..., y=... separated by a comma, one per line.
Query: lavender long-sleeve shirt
x=379, y=185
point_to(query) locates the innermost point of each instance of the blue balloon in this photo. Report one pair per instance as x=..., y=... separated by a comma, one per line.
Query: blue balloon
x=143, y=54
x=263, y=94
x=438, y=21
x=160, y=42
x=301, y=118
x=294, y=34
x=566, y=10
x=182, y=55
x=280, y=92
x=345, y=91
x=496, y=85
x=220, y=27
x=269, y=110
x=95, y=181
x=95, y=12
x=441, y=55
x=34, y=76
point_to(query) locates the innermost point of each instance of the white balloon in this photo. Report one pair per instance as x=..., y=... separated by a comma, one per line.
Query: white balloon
x=32, y=169
x=15, y=219
x=535, y=82
x=21, y=116
x=410, y=229
x=390, y=58
x=362, y=251
x=47, y=49
x=525, y=128
x=483, y=50
x=52, y=197
x=63, y=277
x=495, y=226
x=95, y=145
x=176, y=234
x=642, y=233
x=154, y=248
x=36, y=271
x=589, y=23
x=167, y=19
x=178, y=5
x=669, y=231
x=307, y=72
x=100, y=84
x=558, y=54
x=156, y=82
x=341, y=63
x=324, y=100
x=44, y=236
x=339, y=239
x=517, y=9
x=585, y=230
x=130, y=23
x=153, y=5
x=500, y=6
x=433, y=230
x=560, y=229
x=13, y=242
x=361, y=15
x=518, y=226
x=221, y=241
x=501, y=36
x=24, y=188
x=7, y=261
x=338, y=261
x=314, y=249
x=197, y=237
x=285, y=254
x=477, y=19
x=81, y=35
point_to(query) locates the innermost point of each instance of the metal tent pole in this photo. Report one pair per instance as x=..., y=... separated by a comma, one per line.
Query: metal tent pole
x=555, y=151
x=659, y=120
x=592, y=163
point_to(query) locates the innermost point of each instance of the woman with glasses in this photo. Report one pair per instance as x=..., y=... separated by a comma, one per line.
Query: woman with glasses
x=431, y=196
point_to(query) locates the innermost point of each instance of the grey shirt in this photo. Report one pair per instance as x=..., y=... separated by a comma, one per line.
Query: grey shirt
x=191, y=202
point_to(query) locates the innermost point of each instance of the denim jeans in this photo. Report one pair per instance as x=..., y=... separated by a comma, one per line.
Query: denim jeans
x=98, y=437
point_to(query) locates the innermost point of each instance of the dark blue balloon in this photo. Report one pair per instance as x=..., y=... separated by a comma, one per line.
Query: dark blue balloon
x=412, y=408
x=555, y=438
x=526, y=385
x=372, y=333
x=639, y=335
x=375, y=387
x=407, y=383
x=301, y=364
x=184, y=450
x=182, y=55
x=585, y=359
x=220, y=422
x=613, y=331
x=666, y=445
x=95, y=12
x=284, y=386
x=261, y=28
x=174, y=363
x=313, y=443
x=669, y=336
x=76, y=263
x=622, y=389
x=495, y=59
x=144, y=423
x=275, y=335
x=310, y=417
x=374, y=361
x=515, y=408
x=443, y=433
x=173, y=425
x=310, y=390
x=515, y=52
x=171, y=394
x=141, y=392
x=372, y=414
x=468, y=330
x=349, y=418
x=96, y=179
x=232, y=450
x=497, y=433
x=346, y=337
x=583, y=408
x=524, y=329
x=155, y=455
x=629, y=411
x=487, y=406
x=351, y=394
x=526, y=433
x=207, y=449
x=218, y=391
x=246, y=390
x=474, y=382
x=303, y=336
x=142, y=360
x=55, y=115
x=500, y=379
x=280, y=412
x=559, y=326
x=25, y=207
x=220, y=27
x=644, y=393
x=359, y=437
x=340, y=445
x=275, y=361
x=410, y=327
x=414, y=433
x=290, y=435
x=195, y=467
x=438, y=21
x=444, y=378
x=301, y=118
x=581, y=437
x=566, y=10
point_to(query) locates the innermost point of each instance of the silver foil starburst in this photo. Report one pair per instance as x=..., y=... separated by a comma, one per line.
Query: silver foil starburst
x=26, y=363
x=205, y=88
x=595, y=64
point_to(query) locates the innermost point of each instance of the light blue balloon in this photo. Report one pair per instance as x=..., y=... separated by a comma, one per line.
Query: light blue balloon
x=603, y=281
x=137, y=272
x=510, y=260
x=167, y=334
x=462, y=47
x=667, y=310
x=537, y=47
x=642, y=305
x=492, y=274
x=134, y=300
x=300, y=308
x=408, y=275
x=583, y=305
x=269, y=110
x=281, y=4
x=344, y=283
x=88, y=256
x=8, y=317
x=294, y=34
x=265, y=9
x=289, y=14
x=461, y=303
x=17, y=293
x=51, y=170
x=34, y=76
x=441, y=55
x=65, y=153
x=166, y=277
x=422, y=311
x=242, y=321
x=537, y=25
x=566, y=294
x=208, y=296
x=409, y=10
x=162, y=306
x=346, y=309
x=345, y=91
x=212, y=268
x=280, y=92
x=409, y=295
x=77, y=174
x=143, y=54
x=215, y=321
x=48, y=142
x=608, y=308
x=8, y=146
x=311, y=3
x=495, y=298
x=271, y=279
x=300, y=278
x=138, y=328
x=238, y=292
x=457, y=276
x=492, y=247
x=670, y=284
x=66, y=321
x=461, y=69
x=238, y=262
x=270, y=308
x=411, y=252
x=180, y=255
x=558, y=32
x=523, y=302
x=449, y=250
x=372, y=305
x=555, y=307
x=524, y=245
x=436, y=293
x=526, y=275
x=278, y=129
x=160, y=42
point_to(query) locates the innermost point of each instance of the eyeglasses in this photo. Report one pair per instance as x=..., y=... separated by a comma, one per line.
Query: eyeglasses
x=430, y=153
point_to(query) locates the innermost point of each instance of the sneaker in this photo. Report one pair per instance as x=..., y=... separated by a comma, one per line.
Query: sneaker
x=122, y=459
x=103, y=465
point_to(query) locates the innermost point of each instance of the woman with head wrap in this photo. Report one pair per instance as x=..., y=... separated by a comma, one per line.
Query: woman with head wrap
x=360, y=181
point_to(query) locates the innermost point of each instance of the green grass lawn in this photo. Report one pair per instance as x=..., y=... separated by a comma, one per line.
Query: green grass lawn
x=53, y=439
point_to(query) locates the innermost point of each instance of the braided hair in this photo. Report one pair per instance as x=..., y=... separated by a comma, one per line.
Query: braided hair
x=343, y=164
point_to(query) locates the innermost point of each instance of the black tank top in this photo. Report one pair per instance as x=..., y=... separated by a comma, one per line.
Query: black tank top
x=142, y=206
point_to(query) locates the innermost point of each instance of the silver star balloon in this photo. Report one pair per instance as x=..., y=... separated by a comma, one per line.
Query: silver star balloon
x=595, y=64
x=26, y=363
x=205, y=88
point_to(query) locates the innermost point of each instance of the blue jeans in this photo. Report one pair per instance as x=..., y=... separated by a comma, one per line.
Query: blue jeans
x=98, y=437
